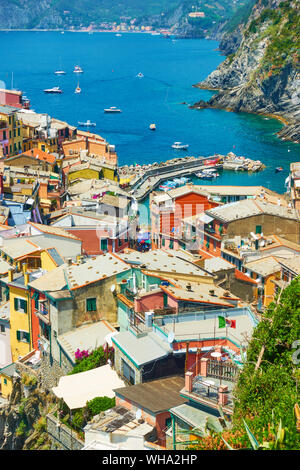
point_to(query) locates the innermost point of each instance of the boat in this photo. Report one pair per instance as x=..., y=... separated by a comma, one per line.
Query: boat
x=53, y=90
x=118, y=35
x=77, y=89
x=210, y=171
x=204, y=176
x=181, y=181
x=278, y=169
x=60, y=72
x=140, y=75
x=152, y=127
x=112, y=109
x=180, y=146
x=77, y=69
x=88, y=123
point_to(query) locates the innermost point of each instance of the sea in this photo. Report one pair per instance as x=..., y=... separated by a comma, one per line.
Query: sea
x=169, y=67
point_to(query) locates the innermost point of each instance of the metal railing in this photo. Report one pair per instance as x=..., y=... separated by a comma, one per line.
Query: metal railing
x=221, y=370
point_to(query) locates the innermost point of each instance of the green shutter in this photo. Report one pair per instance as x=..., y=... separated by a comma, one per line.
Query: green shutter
x=27, y=337
x=91, y=305
x=16, y=303
x=25, y=306
x=18, y=335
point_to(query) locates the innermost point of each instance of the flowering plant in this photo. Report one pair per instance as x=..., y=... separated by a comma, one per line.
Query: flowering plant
x=79, y=355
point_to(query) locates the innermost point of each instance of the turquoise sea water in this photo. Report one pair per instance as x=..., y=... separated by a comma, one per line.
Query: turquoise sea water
x=110, y=65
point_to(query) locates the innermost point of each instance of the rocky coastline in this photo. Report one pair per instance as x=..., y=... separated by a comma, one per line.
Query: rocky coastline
x=246, y=82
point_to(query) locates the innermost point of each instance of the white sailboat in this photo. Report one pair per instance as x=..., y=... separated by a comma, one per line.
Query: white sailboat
x=77, y=89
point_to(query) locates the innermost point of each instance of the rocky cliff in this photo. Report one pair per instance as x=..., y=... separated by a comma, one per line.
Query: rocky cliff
x=262, y=74
x=22, y=420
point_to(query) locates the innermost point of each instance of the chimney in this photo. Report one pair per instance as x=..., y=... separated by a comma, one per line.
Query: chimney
x=24, y=268
x=10, y=274
x=69, y=261
x=26, y=278
x=189, y=287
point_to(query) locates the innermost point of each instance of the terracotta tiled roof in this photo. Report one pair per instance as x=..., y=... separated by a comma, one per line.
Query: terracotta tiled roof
x=243, y=277
x=40, y=155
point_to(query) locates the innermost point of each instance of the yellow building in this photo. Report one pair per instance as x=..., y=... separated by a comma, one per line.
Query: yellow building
x=20, y=315
x=265, y=271
x=21, y=341
x=8, y=114
x=7, y=375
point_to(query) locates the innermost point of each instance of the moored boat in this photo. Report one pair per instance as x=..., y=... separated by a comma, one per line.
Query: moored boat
x=77, y=89
x=88, y=123
x=152, y=127
x=180, y=146
x=112, y=109
x=77, y=69
x=60, y=72
x=53, y=90
x=205, y=176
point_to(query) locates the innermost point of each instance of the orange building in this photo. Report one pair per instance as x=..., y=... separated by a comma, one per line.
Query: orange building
x=168, y=212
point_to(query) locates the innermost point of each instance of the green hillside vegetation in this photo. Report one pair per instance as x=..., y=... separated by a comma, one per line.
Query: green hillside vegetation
x=282, y=28
x=240, y=17
x=268, y=389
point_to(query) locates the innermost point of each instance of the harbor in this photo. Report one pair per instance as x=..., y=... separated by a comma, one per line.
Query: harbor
x=140, y=180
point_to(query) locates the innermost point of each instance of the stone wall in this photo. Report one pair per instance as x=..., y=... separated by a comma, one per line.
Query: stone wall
x=119, y=369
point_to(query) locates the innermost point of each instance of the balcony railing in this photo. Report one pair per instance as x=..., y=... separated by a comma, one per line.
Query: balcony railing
x=222, y=370
x=209, y=392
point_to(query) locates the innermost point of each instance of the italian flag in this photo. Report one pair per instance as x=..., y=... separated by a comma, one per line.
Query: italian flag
x=223, y=322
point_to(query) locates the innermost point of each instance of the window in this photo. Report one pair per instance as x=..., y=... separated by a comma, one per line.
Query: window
x=91, y=305
x=20, y=305
x=171, y=245
x=163, y=242
x=2, y=328
x=4, y=135
x=23, y=336
x=119, y=242
x=128, y=372
x=215, y=245
x=104, y=244
x=5, y=381
x=258, y=229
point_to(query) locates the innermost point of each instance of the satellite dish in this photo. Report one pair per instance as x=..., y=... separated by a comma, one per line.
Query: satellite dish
x=113, y=288
x=171, y=337
x=138, y=414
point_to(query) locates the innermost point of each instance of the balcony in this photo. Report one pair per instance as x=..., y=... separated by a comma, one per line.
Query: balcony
x=201, y=389
x=42, y=312
x=209, y=229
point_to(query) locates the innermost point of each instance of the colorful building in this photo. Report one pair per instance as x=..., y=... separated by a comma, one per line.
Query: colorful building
x=9, y=118
x=168, y=210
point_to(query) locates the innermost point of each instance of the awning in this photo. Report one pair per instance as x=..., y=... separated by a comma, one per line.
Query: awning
x=205, y=218
x=77, y=389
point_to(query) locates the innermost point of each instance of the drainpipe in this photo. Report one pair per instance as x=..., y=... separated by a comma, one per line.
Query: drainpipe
x=173, y=432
